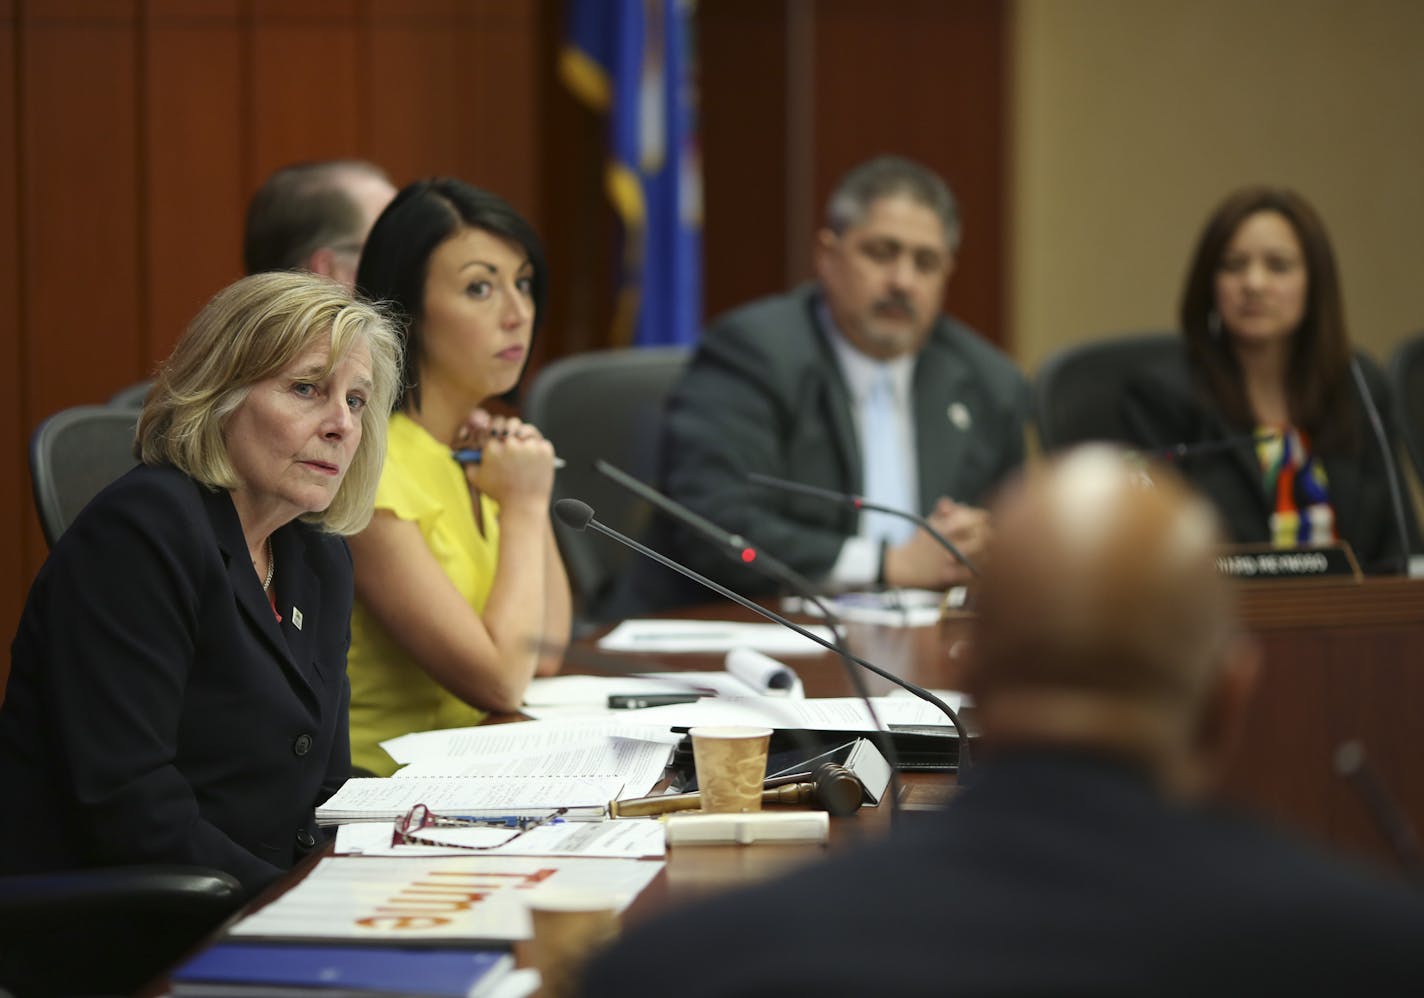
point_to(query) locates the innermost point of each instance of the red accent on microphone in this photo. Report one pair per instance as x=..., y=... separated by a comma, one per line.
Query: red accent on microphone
x=857, y=501
x=748, y=555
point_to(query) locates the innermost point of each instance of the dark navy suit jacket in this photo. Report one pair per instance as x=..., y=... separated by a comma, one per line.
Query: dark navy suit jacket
x=156, y=709
x=1051, y=874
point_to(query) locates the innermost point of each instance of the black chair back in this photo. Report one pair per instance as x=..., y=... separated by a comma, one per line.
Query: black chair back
x=1078, y=391
x=603, y=404
x=105, y=931
x=1406, y=382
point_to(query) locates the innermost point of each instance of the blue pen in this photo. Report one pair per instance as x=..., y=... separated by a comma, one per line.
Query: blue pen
x=521, y=821
x=472, y=455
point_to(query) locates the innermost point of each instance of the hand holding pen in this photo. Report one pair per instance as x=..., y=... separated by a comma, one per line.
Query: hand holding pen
x=514, y=460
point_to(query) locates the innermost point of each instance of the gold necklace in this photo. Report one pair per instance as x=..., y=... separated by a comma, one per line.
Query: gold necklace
x=271, y=567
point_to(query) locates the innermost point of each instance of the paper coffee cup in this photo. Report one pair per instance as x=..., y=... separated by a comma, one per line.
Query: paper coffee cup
x=569, y=928
x=731, y=766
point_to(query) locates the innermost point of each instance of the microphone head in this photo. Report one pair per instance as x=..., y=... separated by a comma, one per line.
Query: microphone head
x=573, y=513
x=1349, y=758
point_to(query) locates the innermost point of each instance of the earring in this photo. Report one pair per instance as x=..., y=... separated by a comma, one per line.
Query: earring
x=1213, y=323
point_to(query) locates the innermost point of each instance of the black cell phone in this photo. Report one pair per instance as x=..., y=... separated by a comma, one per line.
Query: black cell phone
x=634, y=701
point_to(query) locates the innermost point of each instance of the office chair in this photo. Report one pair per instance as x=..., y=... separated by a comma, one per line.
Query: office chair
x=74, y=454
x=107, y=930
x=1078, y=390
x=1406, y=383
x=131, y=397
x=603, y=404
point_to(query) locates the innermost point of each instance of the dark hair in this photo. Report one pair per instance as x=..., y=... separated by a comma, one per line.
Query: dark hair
x=300, y=209
x=397, y=255
x=888, y=176
x=1318, y=376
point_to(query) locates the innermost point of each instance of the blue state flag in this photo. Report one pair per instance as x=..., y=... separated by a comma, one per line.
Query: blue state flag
x=634, y=60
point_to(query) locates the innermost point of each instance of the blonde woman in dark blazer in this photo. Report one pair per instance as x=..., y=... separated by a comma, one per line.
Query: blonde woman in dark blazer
x=178, y=689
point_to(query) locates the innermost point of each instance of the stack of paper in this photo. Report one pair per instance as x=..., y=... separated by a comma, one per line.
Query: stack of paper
x=469, y=796
x=596, y=751
x=607, y=839
x=468, y=899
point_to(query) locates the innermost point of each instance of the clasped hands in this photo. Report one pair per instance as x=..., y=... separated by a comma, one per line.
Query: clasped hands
x=516, y=462
x=921, y=563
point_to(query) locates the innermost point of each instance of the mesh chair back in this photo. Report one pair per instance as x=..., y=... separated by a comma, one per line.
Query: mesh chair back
x=603, y=404
x=133, y=396
x=1406, y=383
x=73, y=455
x=1078, y=390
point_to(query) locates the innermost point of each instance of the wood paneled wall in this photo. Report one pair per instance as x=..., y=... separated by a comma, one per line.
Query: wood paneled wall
x=796, y=93
x=134, y=132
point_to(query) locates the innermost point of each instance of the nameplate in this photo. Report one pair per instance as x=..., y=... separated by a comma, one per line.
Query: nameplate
x=1249, y=563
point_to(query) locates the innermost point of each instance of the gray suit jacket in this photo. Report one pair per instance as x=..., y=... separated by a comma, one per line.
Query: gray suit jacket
x=764, y=393
x=1050, y=873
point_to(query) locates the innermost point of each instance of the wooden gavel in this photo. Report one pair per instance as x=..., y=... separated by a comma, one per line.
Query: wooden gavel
x=832, y=788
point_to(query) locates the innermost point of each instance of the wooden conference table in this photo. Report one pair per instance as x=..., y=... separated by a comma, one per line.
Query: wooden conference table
x=1342, y=660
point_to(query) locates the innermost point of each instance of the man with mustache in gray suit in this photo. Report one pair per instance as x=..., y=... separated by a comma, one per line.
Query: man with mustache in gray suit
x=857, y=383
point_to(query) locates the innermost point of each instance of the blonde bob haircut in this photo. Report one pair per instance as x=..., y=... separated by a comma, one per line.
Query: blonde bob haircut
x=251, y=331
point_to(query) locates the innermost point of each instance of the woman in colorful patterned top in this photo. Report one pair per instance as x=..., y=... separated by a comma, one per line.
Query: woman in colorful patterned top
x=460, y=589
x=1266, y=373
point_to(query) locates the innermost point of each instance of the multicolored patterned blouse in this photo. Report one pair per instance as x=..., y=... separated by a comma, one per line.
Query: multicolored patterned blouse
x=1296, y=487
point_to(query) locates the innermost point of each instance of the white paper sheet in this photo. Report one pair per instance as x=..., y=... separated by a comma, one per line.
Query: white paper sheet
x=637, y=764
x=532, y=737
x=372, y=799
x=816, y=714
x=748, y=673
x=710, y=637
x=594, y=691
x=888, y=608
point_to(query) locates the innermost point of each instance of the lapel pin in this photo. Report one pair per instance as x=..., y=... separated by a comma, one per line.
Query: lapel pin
x=296, y=618
x=958, y=414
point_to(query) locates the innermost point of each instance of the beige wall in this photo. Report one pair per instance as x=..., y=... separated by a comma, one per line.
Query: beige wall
x=1132, y=118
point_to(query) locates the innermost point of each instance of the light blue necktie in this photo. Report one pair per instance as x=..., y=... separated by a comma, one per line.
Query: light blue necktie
x=883, y=459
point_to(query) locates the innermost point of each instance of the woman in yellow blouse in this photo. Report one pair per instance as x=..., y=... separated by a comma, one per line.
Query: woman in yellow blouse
x=460, y=589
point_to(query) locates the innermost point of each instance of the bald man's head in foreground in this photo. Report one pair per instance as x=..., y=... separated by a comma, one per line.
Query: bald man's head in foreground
x=1104, y=624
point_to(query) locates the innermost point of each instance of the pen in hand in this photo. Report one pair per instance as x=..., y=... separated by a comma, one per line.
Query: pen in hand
x=472, y=455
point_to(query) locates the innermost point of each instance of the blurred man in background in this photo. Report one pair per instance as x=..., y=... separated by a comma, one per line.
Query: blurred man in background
x=315, y=216
x=858, y=383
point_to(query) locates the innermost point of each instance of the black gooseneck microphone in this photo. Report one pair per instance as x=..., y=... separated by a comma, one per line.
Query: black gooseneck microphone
x=1353, y=765
x=860, y=502
x=735, y=546
x=740, y=549
x=1396, y=501
x=579, y=516
x=1176, y=453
